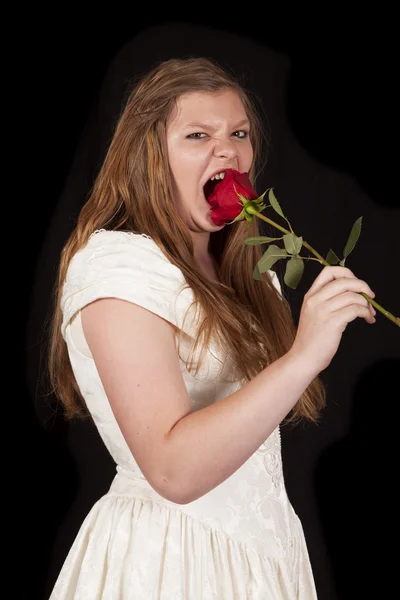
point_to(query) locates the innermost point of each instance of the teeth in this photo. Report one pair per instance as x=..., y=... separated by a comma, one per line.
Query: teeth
x=218, y=176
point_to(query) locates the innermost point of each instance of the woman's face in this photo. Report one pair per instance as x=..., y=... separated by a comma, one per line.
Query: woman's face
x=207, y=133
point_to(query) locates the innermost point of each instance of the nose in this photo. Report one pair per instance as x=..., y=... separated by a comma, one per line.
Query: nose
x=225, y=148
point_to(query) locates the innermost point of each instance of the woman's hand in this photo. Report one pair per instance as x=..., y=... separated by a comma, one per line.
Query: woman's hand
x=333, y=300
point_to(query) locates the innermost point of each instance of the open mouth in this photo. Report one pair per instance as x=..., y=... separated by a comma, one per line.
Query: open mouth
x=210, y=187
x=212, y=184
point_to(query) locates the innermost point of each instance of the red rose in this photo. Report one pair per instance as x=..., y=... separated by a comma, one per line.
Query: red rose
x=224, y=200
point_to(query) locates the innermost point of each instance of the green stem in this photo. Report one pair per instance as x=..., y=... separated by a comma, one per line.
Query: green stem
x=309, y=258
x=386, y=313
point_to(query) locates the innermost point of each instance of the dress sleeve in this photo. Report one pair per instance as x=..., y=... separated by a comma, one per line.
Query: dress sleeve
x=129, y=266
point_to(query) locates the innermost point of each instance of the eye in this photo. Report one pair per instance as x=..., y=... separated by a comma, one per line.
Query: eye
x=241, y=134
x=196, y=136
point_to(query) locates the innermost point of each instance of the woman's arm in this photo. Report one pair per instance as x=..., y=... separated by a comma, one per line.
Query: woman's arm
x=186, y=454
x=183, y=454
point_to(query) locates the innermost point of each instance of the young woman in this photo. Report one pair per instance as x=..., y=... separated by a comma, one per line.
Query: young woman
x=186, y=364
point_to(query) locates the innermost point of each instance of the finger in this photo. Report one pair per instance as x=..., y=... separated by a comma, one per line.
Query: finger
x=328, y=274
x=346, y=299
x=350, y=313
x=341, y=286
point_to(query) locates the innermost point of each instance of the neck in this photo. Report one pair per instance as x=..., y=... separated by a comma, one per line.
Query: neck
x=201, y=243
x=203, y=256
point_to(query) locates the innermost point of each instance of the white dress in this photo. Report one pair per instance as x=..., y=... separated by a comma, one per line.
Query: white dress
x=240, y=541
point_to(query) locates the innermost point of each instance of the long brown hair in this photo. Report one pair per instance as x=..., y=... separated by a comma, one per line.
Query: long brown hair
x=133, y=192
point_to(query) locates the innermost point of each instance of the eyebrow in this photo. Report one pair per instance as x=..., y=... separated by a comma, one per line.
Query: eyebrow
x=208, y=125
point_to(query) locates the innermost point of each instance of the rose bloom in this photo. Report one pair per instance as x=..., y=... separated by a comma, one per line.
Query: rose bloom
x=224, y=201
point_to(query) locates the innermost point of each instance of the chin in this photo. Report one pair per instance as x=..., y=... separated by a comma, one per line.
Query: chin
x=213, y=225
x=218, y=227
x=204, y=224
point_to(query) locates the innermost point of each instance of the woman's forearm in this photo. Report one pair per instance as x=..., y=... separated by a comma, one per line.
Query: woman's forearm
x=207, y=446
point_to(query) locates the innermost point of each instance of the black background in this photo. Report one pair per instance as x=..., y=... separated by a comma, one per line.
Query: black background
x=334, y=125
